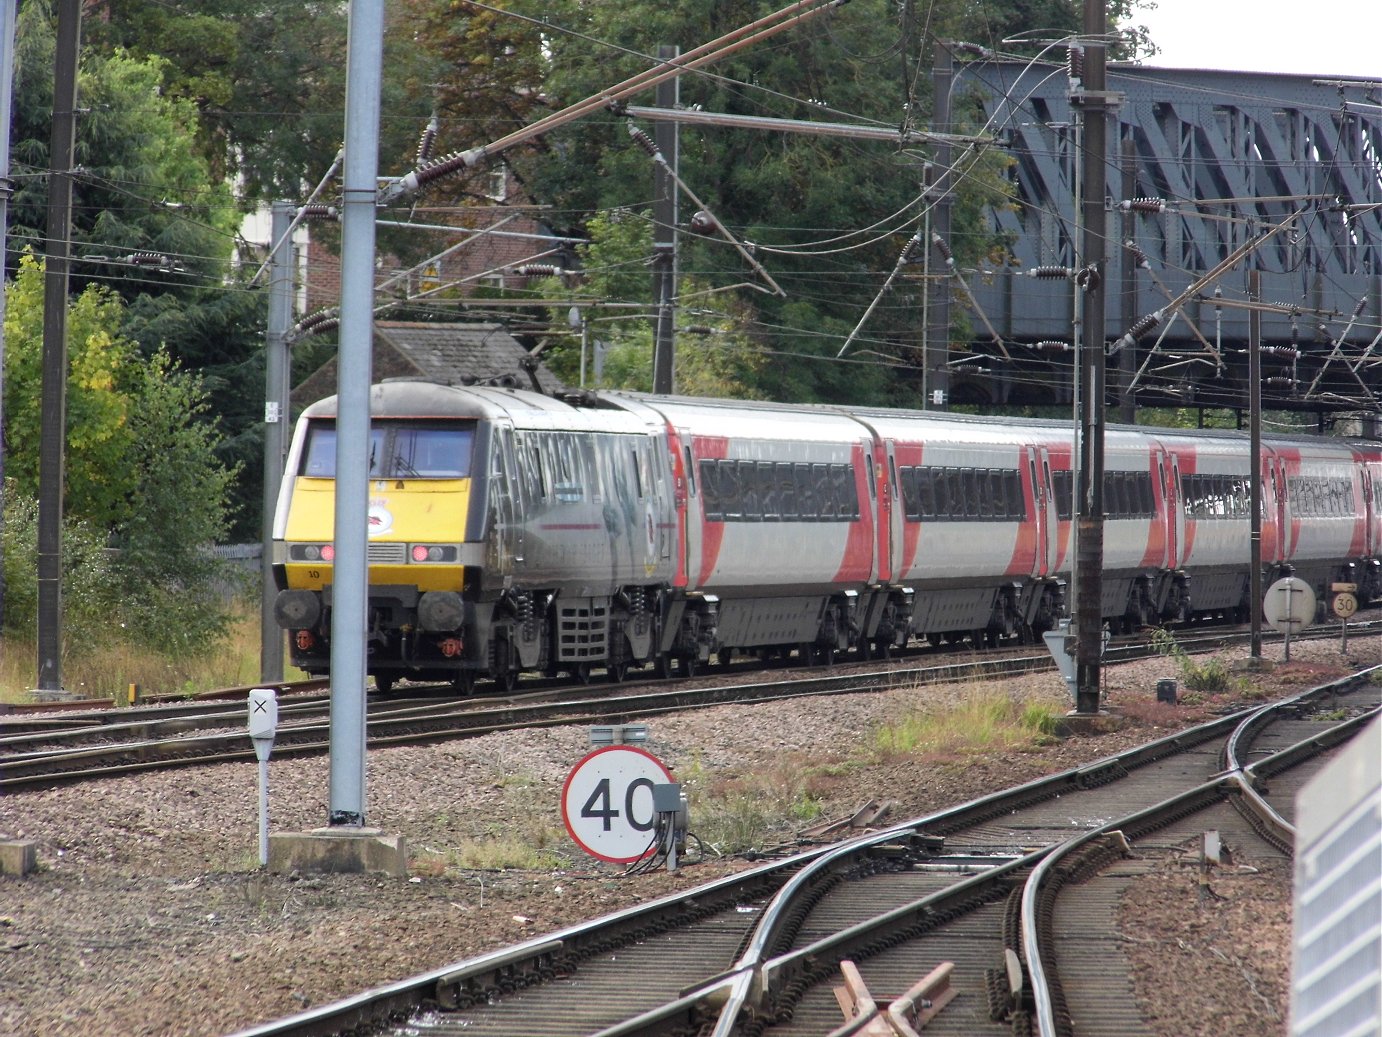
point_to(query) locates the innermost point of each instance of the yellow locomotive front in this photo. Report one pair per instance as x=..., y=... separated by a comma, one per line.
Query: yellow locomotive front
x=420, y=494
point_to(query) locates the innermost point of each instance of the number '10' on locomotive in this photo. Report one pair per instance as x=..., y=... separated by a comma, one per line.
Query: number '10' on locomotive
x=511, y=531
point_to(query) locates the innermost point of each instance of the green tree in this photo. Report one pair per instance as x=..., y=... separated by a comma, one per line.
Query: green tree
x=140, y=459
x=802, y=200
x=713, y=358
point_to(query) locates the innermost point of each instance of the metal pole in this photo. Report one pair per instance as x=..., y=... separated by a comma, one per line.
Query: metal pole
x=1255, y=460
x=1090, y=549
x=276, y=421
x=1128, y=311
x=8, y=14
x=53, y=397
x=666, y=137
x=350, y=576
x=938, y=330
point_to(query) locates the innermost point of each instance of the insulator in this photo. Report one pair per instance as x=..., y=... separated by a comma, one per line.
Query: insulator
x=703, y=222
x=1139, y=257
x=449, y=165
x=538, y=270
x=1051, y=346
x=1051, y=273
x=319, y=211
x=1287, y=383
x=943, y=248
x=146, y=259
x=1143, y=205
x=912, y=252
x=1290, y=352
x=316, y=321
x=1074, y=63
x=425, y=142
x=1143, y=325
x=643, y=141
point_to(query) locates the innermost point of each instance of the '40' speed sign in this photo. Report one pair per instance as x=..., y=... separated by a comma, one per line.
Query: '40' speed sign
x=607, y=802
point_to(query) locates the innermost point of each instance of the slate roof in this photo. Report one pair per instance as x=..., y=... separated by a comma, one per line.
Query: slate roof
x=448, y=354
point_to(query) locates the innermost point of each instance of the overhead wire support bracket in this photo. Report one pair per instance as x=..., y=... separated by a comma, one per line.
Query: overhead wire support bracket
x=646, y=143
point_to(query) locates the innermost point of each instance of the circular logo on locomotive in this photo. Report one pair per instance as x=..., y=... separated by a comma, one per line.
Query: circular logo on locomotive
x=380, y=519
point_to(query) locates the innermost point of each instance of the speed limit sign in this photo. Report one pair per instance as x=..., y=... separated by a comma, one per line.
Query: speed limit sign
x=607, y=802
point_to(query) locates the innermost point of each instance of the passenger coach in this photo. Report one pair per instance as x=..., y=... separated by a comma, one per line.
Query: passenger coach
x=511, y=531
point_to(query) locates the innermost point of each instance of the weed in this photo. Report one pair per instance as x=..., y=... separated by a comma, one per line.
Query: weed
x=1210, y=675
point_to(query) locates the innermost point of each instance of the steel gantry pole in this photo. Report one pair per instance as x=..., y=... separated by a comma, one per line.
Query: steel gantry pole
x=364, y=73
x=276, y=420
x=1094, y=103
x=53, y=397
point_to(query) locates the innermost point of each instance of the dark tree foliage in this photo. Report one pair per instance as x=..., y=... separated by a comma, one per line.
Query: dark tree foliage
x=810, y=197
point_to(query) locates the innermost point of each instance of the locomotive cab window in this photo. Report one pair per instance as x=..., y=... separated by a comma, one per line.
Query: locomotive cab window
x=397, y=450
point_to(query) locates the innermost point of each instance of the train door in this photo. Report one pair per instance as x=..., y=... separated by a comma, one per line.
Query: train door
x=889, y=511
x=660, y=502
x=1284, y=542
x=1372, y=521
x=687, y=493
x=504, y=505
x=1175, y=510
x=1046, y=526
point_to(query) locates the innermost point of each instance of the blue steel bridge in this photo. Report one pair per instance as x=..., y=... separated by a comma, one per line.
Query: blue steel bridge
x=1285, y=169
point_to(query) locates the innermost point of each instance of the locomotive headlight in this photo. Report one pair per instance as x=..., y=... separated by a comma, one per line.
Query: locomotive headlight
x=433, y=553
x=312, y=552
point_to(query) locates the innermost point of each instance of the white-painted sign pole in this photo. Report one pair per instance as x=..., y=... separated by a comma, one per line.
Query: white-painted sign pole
x=263, y=722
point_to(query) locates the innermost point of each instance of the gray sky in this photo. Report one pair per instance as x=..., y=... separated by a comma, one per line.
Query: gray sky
x=1325, y=38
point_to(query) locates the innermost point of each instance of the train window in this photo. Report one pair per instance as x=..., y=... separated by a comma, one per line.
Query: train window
x=712, y=499
x=319, y=452
x=846, y=494
x=424, y=452
x=907, y=491
x=404, y=450
x=786, y=491
x=1063, y=489
x=731, y=499
x=537, y=472
x=690, y=472
x=926, y=493
x=1017, y=505
x=807, y=506
x=567, y=478
x=767, y=490
x=637, y=471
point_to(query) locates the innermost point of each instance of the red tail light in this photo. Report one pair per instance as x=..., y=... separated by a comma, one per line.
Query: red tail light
x=451, y=647
x=305, y=640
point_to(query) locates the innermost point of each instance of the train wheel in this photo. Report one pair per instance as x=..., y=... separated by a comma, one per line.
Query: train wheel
x=383, y=684
x=507, y=680
x=662, y=666
x=582, y=673
x=617, y=673
x=689, y=665
x=464, y=682
x=724, y=656
x=934, y=640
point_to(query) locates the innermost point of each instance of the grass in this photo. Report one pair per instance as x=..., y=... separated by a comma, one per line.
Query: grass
x=984, y=720
x=109, y=671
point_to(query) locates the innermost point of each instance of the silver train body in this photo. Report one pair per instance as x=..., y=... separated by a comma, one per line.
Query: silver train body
x=611, y=530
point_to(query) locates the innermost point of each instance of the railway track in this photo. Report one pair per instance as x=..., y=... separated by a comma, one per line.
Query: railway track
x=988, y=918
x=98, y=743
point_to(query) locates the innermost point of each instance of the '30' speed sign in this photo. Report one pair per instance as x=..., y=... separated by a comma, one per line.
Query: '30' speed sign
x=607, y=802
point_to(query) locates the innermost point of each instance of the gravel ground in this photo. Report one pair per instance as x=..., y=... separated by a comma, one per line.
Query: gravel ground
x=149, y=914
